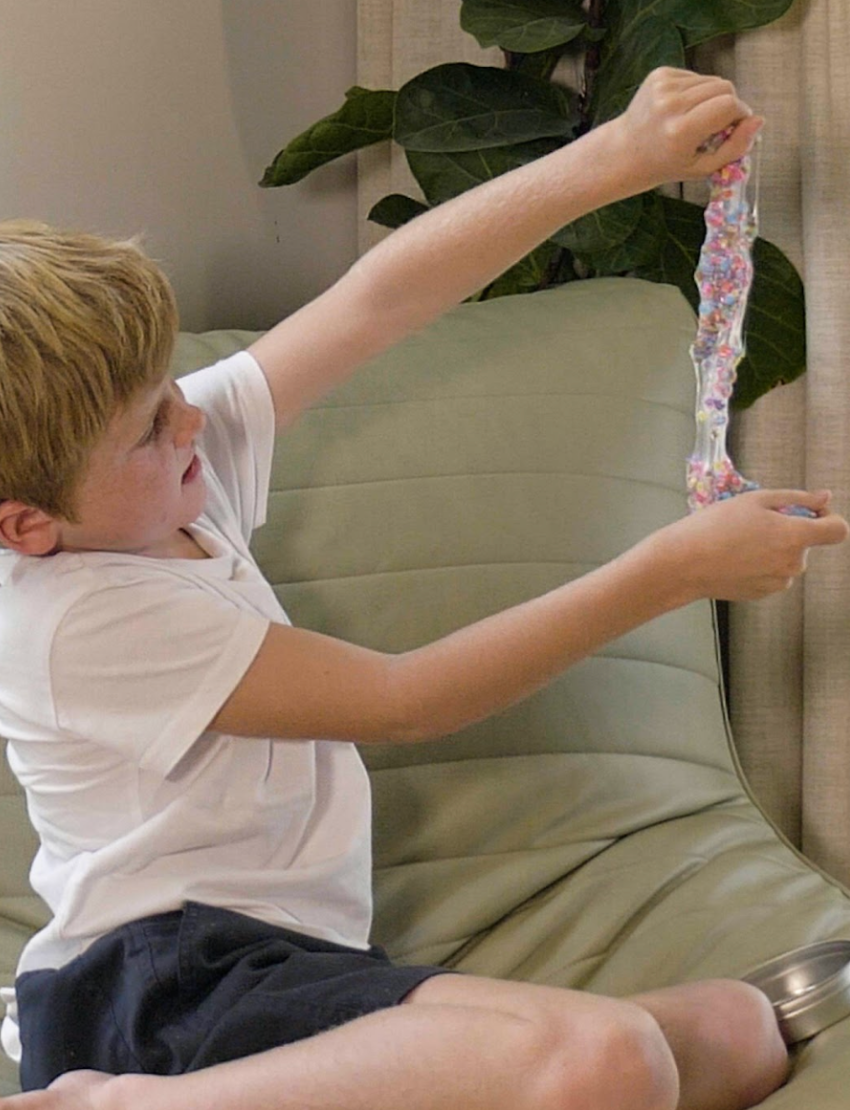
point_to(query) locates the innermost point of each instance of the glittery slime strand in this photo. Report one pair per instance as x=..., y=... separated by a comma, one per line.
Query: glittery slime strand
x=724, y=276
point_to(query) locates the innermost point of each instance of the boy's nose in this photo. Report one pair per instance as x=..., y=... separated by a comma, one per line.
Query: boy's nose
x=192, y=422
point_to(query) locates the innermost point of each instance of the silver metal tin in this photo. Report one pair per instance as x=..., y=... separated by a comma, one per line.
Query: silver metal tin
x=809, y=987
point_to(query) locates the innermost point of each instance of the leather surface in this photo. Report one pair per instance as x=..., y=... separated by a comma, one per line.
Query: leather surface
x=599, y=835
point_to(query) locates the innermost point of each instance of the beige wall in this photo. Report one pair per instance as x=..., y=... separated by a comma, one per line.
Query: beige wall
x=160, y=116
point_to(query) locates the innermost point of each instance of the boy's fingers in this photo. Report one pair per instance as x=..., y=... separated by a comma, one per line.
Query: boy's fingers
x=825, y=528
x=784, y=498
x=744, y=134
x=717, y=150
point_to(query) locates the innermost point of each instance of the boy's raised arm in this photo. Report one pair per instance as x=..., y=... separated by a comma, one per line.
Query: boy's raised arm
x=440, y=258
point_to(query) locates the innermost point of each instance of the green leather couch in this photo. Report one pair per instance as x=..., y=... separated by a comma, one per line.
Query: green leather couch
x=600, y=835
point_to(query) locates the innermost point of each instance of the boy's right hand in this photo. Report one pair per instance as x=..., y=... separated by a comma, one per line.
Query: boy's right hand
x=746, y=548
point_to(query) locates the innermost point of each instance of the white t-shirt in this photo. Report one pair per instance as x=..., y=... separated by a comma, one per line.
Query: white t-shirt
x=111, y=668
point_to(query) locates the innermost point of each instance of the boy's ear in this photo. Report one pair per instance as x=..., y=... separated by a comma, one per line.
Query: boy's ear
x=27, y=530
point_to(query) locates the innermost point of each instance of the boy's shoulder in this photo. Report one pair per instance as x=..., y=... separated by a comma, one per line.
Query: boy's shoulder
x=36, y=596
x=45, y=588
x=29, y=576
x=95, y=614
x=59, y=573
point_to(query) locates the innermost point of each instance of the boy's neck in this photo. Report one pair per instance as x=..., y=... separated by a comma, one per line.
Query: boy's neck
x=181, y=545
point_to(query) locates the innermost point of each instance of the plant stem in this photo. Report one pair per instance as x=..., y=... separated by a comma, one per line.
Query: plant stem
x=592, y=58
x=541, y=65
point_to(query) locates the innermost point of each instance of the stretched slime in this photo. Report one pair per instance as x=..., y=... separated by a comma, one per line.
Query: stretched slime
x=724, y=277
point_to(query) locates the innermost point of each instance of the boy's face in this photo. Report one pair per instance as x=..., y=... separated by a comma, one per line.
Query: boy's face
x=143, y=483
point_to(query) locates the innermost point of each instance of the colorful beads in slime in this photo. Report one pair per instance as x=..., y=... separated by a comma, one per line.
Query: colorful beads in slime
x=724, y=276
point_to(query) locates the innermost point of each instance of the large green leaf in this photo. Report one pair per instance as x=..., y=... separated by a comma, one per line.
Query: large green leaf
x=654, y=41
x=395, y=210
x=463, y=107
x=527, y=276
x=699, y=20
x=775, y=328
x=639, y=247
x=524, y=26
x=366, y=117
x=443, y=176
x=603, y=229
x=541, y=65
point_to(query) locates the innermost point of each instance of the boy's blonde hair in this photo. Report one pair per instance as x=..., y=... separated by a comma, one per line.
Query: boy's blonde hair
x=85, y=323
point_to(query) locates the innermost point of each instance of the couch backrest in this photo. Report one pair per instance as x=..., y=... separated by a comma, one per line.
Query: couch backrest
x=513, y=445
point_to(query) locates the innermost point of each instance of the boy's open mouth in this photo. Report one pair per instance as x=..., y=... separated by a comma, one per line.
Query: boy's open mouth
x=192, y=470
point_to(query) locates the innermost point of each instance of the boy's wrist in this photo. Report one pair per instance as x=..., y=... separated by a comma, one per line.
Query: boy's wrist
x=619, y=161
x=669, y=569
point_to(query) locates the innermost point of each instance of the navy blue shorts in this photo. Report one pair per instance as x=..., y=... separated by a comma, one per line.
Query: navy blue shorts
x=183, y=990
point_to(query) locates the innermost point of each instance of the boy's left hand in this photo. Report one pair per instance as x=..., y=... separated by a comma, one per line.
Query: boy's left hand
x=672, y=116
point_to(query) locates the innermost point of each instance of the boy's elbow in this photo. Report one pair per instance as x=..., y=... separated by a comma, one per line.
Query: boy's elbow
x=411, y=716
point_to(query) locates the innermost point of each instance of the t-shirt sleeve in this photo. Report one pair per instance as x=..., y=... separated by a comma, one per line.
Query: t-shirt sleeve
x=238, y=439
x=142, y=669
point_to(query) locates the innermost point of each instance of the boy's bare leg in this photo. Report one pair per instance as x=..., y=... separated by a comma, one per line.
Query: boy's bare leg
x=726, y=1041
x=722, y=1033
x=483, y=1045
x=78, y=1090
x=493, y=1050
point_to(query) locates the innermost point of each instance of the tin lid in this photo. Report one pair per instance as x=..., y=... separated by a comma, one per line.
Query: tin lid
x=809, y=987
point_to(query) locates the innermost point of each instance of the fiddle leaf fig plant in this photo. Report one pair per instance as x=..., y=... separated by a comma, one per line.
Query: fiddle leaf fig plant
x=461, y=124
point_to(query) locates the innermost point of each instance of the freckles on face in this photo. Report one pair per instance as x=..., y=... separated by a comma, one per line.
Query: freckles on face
x=134, y=494
x=139, y=490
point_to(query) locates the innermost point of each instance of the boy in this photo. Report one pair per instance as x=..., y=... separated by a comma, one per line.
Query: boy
x=207, y=866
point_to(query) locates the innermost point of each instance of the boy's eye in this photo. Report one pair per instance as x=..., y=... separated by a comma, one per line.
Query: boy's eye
x=157, y=427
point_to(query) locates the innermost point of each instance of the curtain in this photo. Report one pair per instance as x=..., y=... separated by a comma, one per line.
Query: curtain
x=790, y=654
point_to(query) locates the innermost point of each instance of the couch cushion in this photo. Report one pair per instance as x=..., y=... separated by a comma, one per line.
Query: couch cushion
x=602, y=824
x=514, y=445
x=599, y=834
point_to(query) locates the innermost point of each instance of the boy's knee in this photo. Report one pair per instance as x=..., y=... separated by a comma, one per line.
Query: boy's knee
x=742, y=1017
x=621, y=1061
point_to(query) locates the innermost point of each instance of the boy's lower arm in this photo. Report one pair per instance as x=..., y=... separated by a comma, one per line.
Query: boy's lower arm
x=490, y=665
x=451, y=252
x=303, y=684
x=741, y=549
